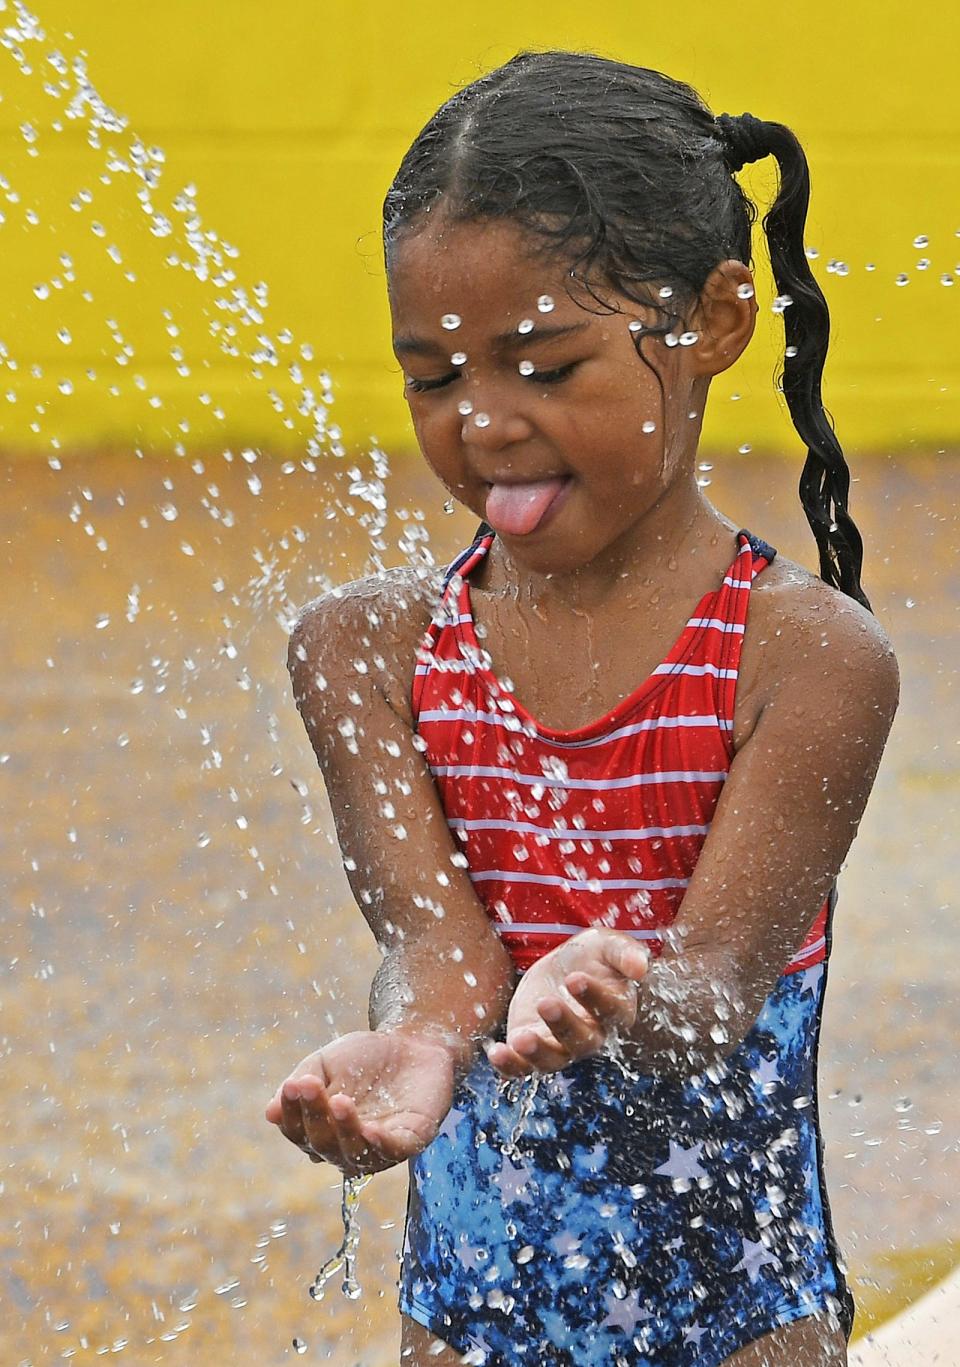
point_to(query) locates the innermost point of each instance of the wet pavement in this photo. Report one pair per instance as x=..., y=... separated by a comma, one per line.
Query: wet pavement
x=177, y=930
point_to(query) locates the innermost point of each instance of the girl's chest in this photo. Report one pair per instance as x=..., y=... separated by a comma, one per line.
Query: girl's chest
x=569, y=672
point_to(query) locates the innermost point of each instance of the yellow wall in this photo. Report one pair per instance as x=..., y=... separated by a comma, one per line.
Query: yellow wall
x=290, y=121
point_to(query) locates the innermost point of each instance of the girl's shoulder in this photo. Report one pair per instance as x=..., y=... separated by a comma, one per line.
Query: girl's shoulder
x=366, y=632
x=802, y=635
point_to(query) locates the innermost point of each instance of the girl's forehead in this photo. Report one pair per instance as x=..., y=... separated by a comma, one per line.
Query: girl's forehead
x=493, y=265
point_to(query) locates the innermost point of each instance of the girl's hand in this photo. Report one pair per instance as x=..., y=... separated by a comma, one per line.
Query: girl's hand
x=366, y=1101
x=568, y=1003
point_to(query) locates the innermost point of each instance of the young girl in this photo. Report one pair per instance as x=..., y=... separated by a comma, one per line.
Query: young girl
x=594, y=791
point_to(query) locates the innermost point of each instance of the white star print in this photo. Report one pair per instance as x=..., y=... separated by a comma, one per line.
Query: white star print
x=625, y=1314
x=512, y=1181
x=559, y=1086
x=811, y=980
x=755, y=1256
x=480, y=1350
x=766, y=1074
x=596, y=1157
x=471, y=1258
x=694, y=1334
x=682, y=1162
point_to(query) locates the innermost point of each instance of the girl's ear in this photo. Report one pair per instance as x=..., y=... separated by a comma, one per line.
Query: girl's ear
x=724, y=318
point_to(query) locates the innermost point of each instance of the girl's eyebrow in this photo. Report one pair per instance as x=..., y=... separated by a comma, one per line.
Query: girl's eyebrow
x=508, y=341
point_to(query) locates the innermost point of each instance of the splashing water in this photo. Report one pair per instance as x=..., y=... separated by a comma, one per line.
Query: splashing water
x=346, y=1255
x=523, y=1095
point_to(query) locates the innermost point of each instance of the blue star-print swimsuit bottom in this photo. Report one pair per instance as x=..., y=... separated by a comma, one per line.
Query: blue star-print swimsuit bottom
x=636, y=1222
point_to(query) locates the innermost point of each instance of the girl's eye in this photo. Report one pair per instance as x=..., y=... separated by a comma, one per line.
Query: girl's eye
x=534, y=376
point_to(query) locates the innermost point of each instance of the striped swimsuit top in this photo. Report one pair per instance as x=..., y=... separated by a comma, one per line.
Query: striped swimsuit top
x=601, y=826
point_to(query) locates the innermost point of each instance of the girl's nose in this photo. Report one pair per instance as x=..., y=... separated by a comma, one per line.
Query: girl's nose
x=492, y=426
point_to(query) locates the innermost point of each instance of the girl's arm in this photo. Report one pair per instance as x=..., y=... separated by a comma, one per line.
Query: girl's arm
x=789, y=810
x=444, y=972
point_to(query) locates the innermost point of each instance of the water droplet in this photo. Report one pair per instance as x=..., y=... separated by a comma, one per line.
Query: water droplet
x=169, y=512
x=451, y=321
x=448, y=506
x=666, y=292
x=782, y=302
x=921, y=241
x=745, y=448
x=482, y=419
x=458, y=358
x=705, y=465
x=649, y=426
x=903, y=279
x=903, y=1105
x=525, y=325
x=811, y=253
x=42, y=291
x=299, y=1346
x=635, y=325
x=946, y=280
x=65, y=386
x=910, y=603
x=689, y=338
x=670, y=339
x=64, y=335
x=545, y=303
x=923, y=264
x=465, y=408
x=871, y=266
x=745, y=291
x=526, y=367
x=792, y=351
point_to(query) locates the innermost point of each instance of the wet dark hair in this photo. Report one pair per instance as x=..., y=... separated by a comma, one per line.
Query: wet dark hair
x=625, y=173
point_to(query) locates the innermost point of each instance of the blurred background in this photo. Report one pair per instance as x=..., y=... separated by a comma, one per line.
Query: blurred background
x=202, y=427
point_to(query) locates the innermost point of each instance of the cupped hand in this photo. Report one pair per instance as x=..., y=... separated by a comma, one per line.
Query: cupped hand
x=568, y=1003
x=367, y=1100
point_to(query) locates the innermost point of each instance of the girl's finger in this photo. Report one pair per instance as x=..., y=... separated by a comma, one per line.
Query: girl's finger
x=356, y=1151
x=320, y=1127
x=546, y=1055
x=605, y=1004
x=291, y=1116
x=577, y=1034
x=625, y=956
x=508, y=1062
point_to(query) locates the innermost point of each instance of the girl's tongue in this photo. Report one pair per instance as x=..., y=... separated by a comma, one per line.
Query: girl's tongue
x=518, y=509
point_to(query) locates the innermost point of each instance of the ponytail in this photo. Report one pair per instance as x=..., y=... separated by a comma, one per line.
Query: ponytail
x=825, y=480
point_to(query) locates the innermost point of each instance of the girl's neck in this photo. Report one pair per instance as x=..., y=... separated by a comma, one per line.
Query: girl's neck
x=664, y=550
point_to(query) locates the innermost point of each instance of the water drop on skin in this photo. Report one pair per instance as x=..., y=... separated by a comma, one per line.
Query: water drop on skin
x=448, y=506
x=689, y=338
x=451, y=321
x=525, y=325
x=745, y=291
x=465, y=408
x=649, y=426
x=458, y=358
x=666, y=292
x=482, y=419
x=526, y=367
x=545, y=303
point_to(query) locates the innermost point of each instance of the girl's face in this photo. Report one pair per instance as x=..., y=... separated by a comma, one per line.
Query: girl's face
x=536, y=414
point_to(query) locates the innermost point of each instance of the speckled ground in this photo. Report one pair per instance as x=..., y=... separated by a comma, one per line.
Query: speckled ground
x=177, y=930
